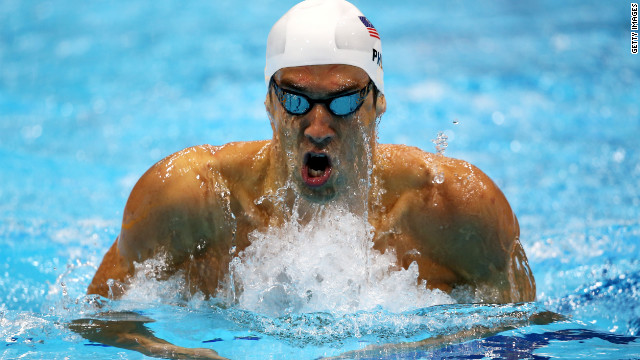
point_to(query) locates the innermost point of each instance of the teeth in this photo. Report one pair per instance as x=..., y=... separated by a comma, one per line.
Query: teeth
x=315, y=173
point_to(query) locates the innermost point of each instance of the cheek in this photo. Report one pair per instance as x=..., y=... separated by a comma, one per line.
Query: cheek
x=287, y=129
x=361, y=128
x=369, y=116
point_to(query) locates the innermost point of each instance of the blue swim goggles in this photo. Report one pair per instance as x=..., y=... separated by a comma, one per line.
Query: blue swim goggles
x=341, y=105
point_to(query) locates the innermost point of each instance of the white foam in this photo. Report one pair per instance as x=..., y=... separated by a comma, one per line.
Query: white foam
x=146, y=287
x=328, y=264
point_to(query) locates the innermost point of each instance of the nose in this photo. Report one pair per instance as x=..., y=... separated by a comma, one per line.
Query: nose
x=319, y=130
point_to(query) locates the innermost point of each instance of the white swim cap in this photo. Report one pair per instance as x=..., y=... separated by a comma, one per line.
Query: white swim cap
x=319, y=32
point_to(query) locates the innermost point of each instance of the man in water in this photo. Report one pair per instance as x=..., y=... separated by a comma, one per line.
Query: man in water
x=325, y=95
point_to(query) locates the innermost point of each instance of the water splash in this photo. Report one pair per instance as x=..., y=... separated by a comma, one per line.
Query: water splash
x=328, y=265
x=148, y=287
x=441, y=145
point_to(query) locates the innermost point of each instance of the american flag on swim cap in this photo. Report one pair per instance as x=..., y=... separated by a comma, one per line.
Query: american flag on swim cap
x=372, y=30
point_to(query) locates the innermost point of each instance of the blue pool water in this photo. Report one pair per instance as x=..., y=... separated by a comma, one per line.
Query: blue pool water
x=543, y=96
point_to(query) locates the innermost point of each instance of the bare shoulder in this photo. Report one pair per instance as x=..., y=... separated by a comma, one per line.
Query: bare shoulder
x=203, y=158
x=176, y=202
x=455, y=213
x=461, y=184
x=188, y=173
x=173, y=179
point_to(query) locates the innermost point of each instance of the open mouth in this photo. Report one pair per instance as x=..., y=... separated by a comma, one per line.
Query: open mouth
x=316, y=169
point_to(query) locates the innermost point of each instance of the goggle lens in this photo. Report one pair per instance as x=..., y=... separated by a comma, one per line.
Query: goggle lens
x=345, y=104
x=294, y=103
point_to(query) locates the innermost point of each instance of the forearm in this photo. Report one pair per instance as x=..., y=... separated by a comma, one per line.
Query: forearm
x=131, y=333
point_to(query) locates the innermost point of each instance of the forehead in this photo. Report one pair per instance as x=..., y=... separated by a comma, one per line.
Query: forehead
x=322, y=78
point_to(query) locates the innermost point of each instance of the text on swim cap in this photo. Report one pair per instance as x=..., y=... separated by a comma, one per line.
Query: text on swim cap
x=377, y=57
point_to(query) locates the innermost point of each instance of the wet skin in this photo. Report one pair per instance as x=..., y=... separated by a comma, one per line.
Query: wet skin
x=195, y=205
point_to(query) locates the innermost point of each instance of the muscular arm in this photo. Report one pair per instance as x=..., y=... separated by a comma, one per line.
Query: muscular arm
x=171, y=210
x=129, y=331
x=191, y=207
x=481, y=232
x=440, y=341
x=463, y=228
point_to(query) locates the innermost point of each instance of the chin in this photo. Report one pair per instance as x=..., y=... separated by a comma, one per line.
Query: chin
x=319, y=195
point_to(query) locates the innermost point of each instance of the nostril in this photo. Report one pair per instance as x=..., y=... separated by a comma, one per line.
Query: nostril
x=322, y=140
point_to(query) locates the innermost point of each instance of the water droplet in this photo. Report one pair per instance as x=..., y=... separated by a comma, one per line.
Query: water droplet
x=441, y=145
x=441, y=142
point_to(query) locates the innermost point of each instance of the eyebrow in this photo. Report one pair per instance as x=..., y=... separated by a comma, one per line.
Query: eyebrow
x=289, y=85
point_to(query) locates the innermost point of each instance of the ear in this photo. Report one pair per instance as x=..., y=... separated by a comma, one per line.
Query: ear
x=381, y=105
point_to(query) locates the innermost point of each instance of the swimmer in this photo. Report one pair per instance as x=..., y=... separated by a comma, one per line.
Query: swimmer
x=325, y=95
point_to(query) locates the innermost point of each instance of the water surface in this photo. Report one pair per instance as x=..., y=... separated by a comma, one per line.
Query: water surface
x=542, y=96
